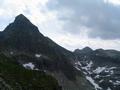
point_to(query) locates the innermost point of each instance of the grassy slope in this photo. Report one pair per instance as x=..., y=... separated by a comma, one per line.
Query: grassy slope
x=16, y=77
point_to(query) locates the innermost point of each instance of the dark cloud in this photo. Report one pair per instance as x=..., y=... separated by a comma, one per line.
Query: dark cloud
x=103, y=19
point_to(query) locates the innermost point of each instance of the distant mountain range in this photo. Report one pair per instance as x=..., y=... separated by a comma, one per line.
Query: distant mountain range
x=100, y=66
x=31, y=61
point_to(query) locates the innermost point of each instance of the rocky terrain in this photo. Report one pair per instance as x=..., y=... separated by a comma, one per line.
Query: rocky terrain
x=31, y=61
x=101, y=67
x=35, y=62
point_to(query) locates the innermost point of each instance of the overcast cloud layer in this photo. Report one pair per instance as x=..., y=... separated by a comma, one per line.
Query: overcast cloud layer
x=71, y=23
x=99, y=17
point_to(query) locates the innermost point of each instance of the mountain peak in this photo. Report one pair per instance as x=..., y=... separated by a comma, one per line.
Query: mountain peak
x=87, y=49
x=20, y=15
x=22, y=27
x=84, y=50
x=21, y=23
x=21, y=19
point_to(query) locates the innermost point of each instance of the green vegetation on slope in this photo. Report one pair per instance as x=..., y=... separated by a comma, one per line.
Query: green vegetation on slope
x=15, y=77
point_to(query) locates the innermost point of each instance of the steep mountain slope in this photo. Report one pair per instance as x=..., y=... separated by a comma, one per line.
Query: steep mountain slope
x=22, y=41
x=15, y=77
x=22, y=36
x=102, y=66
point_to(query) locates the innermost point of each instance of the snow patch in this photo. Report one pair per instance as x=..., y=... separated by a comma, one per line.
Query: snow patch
x=112, y=68
x=109, y=88
x=85, y=68
x=112, y=72
x=38, y=55
x=101, y=81
x=117, y=83
x=99, y=70
x=97, y=76
x=93, y=83
x=78, y=63
x=11, y=53
x=111, y=81
x=29, y=65
x=36, y=69
x=77, y=68
x=85, y=72
x=89, y=65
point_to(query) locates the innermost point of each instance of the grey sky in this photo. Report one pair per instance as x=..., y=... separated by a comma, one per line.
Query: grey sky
x=102, y=19
x=70, y=23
